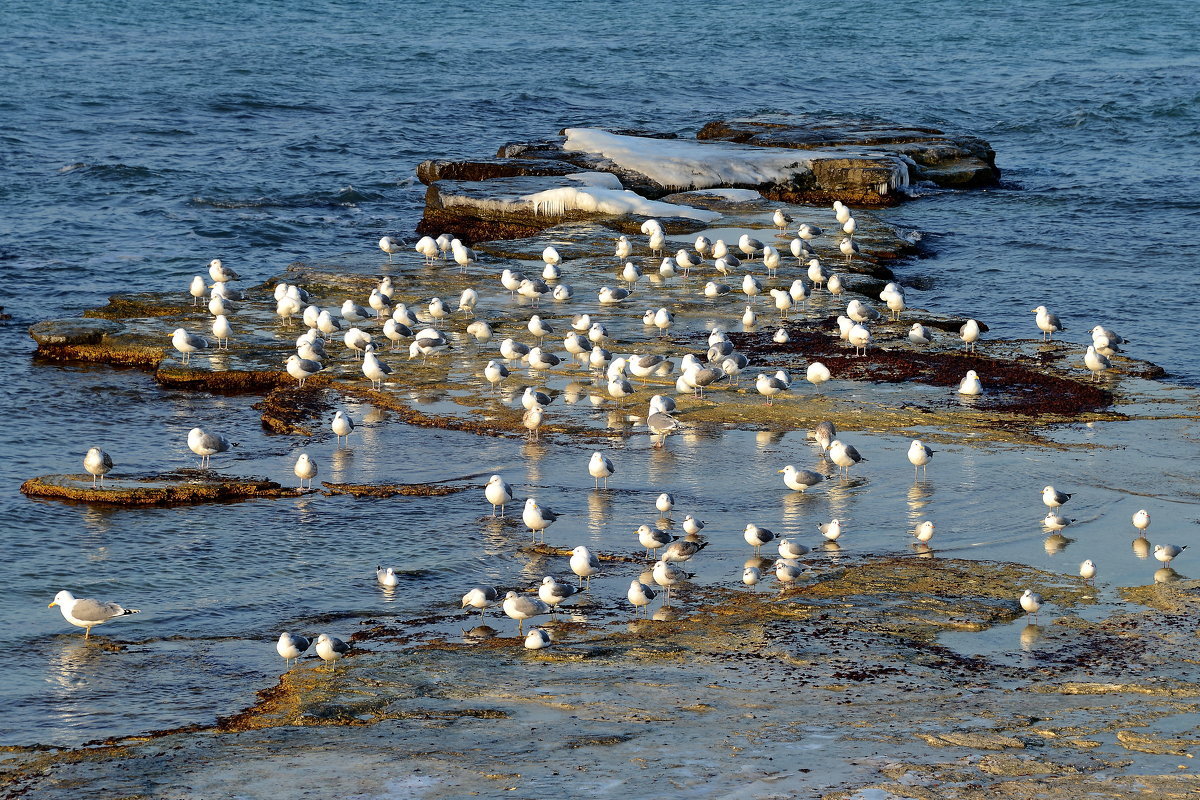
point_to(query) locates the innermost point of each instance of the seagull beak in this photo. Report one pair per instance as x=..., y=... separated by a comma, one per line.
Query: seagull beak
x=53, y=603
x=781, y=470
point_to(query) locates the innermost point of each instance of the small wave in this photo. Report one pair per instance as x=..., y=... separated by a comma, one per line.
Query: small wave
x=116, y=172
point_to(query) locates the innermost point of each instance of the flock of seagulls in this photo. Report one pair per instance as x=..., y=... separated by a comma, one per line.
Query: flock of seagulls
x=587, y=343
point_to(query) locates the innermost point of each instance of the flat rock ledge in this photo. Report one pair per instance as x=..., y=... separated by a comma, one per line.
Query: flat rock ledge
x=167, y=488
x=610, y=176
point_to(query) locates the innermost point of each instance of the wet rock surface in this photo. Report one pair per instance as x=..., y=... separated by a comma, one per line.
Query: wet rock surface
x=858, y=161
x=180, y=487
x=57, y=332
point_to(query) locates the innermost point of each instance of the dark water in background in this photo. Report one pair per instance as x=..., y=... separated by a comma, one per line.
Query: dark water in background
x=139, y=141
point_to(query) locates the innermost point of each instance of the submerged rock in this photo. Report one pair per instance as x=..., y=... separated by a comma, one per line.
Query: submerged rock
x=168, y=488
x=953, y=161
x=57, y=332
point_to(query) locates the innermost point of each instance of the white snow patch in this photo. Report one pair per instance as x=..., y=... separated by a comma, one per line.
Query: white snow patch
x=691, y=164
x=556, y=202
x=601, y=180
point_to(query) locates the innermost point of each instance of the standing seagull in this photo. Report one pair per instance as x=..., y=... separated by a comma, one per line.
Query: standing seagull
x=1053, y=498
x=919, y=455
x=98, y=463
x=342, y=426
x=86, y=613
x=600, y=467
x=1031, y=601
x=584, y=564
x=640, y=595
x=331, y=648
x=970, y=334
x=291, y=647
x=522, y=608
x=537, y=518
x=390, y=246
x=207, y=445
x=844, y=455
x=187, y=343
x=1095, y=362
x=1047, y=323
x=498, y=493
x=305, y=470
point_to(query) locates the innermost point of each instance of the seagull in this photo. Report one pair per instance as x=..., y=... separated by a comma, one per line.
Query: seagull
x=918, y=334
x=831, y=530
x=640, y=595
x=197, y=289
x=624, y=248
x=769, y=386
x=1047, y=323
x=849, y=227
x=187, y=343
x=919, y=455
x=1087, y=570
x=835, y=287
x=749, y=246
x=532, y=397
x=537, y=517
x=511, y=280
x=553, y=592
x=609, y=296
x=787, y=571
x=809, y=232
x=1163, y=552
x=539, y=360
x=1105, y=341
x=427, y=247
x=970, y=385
x=658, y=241
x=374, y=369
x=600, y=467
x=291, y=647
x=783, y=302
x=495, y=373
x=841, y=211
x=849, y=249
x=386, y=577
x=222, y=330
x=816, y=272
x=924, y=531
x=98, y=464
x=1141, y=520
x=817, y=373
x=692, y=526
x=532, y=420
x=893, y=297
x=751, y=576
x=684, y=259
x=653, y=538
x=860, y=337
x=305, y=470
x=342, y=425
x=584, y=564
x=352, y=312
x=331, y=648
x=207, y=445
x=666, y=269
x=756, y=537
x=445, y=244
x=970, y=334
x=499, y=493
x=781, y=219
x=662, y=425
x=357, y=340
x=667, y=575
x=463, y=255
x=395, y=332
x=663, y=320
x=551, y=256
x=523, y=608
x=844, y=455
x=221, y=273
x=1053, y=498
x=537, y=639
x=1095, y=362
x=480, y=597
x=302, y=368
x=665, y=501
x=791, y=550
x=86, y=613
x=751, y=286
x=631, y=273
x=682, y=550
x=327, y=324
x=781, y=337
x=800, y=479
x=1031, y=601
x=825, y=433
x=480, y=330
x=428, y=341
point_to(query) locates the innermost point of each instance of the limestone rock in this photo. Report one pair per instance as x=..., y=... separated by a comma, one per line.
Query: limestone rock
x=58, y=332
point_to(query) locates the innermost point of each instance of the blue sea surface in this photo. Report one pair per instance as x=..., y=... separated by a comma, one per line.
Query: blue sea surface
x=138, y=141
